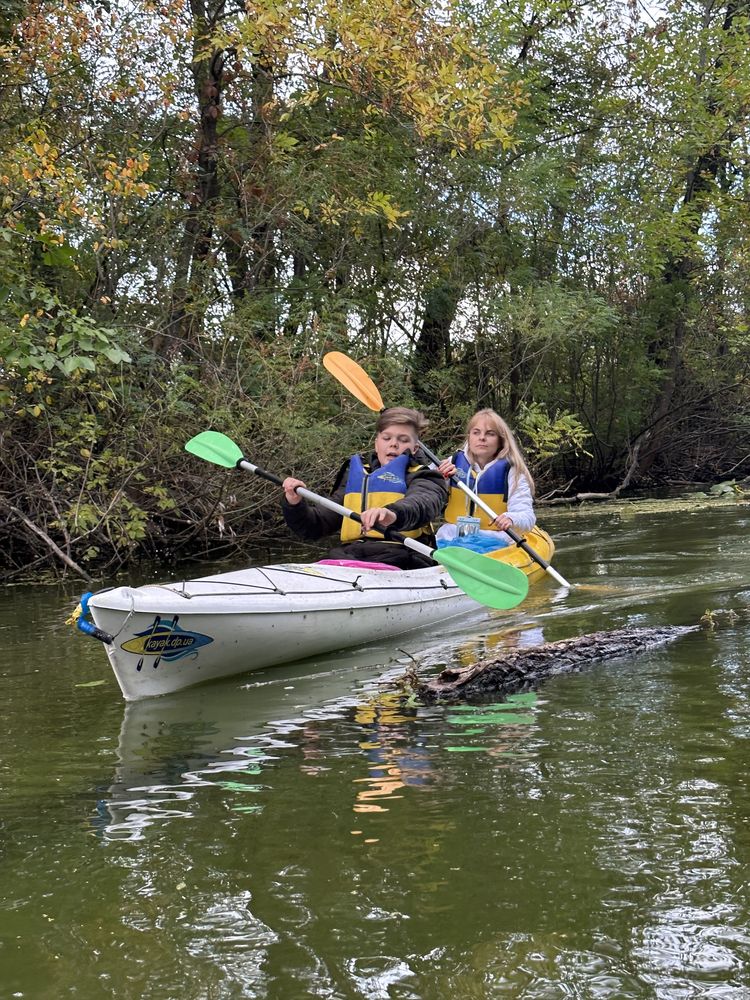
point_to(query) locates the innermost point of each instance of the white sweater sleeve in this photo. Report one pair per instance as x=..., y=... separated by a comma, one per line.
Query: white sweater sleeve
x=520, y=504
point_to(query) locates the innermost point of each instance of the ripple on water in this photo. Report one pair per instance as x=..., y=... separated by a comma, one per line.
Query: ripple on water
x=706, y=943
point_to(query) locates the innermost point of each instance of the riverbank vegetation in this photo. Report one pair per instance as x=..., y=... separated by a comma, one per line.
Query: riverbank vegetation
x=541, y=208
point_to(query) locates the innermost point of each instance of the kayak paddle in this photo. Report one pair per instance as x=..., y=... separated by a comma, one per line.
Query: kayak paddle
x=354, y=378
x=485, y=580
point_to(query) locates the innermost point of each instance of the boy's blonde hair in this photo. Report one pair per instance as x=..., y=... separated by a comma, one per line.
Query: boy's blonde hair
x=402, y=415
x=508, y=445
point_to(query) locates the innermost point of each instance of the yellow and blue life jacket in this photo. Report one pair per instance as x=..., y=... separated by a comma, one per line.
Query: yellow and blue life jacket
x=492, y=484
x=376, y=489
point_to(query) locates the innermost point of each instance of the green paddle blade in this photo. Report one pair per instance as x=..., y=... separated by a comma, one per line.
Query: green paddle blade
x=488, y=581
x=215, y=447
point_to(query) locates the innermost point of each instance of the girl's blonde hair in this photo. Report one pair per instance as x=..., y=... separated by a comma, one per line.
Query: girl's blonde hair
x=508, y=445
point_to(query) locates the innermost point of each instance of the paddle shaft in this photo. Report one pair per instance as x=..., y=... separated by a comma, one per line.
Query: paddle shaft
x=395, y=536
x=519, y=541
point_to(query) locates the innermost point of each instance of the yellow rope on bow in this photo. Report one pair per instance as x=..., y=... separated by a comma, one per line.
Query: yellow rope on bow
x=75, y=616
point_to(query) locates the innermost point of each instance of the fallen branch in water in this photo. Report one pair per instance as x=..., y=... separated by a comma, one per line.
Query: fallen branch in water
x=521, y=669
x=52, y=546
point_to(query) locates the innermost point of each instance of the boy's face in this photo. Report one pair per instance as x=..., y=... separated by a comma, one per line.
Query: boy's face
x=393, y=441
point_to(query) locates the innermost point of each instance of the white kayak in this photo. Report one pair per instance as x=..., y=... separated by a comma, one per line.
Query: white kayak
x=165, y=637
x=161, y=638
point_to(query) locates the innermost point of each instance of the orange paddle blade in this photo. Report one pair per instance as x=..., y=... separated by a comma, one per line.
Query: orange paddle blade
x=354, y=378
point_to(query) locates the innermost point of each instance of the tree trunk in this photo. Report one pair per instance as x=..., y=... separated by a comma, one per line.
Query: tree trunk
x=433, y=346
x=187, y=309
x=249, y=248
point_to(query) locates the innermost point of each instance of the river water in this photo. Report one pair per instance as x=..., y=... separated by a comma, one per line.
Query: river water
x=303, y=833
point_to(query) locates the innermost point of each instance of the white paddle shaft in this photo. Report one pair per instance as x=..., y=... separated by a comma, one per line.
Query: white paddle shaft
x=337, y=508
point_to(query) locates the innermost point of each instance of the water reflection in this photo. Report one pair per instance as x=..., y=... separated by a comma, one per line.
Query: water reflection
x=171, y=746
x=396, y=758
x=499, y=729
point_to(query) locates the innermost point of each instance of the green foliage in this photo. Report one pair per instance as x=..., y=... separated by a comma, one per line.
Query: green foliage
x=55, y=337
x=43, y=344
x=549, y=436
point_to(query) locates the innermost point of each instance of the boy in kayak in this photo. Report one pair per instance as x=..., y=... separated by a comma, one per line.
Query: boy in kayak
x=389, y=487
x=491, y=464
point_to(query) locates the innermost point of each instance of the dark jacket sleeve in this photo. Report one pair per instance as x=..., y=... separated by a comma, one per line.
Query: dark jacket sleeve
x=311, y=522
x=426, y=496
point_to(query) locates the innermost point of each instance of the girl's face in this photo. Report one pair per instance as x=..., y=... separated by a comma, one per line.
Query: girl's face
x=484, y=441
x=393, y=441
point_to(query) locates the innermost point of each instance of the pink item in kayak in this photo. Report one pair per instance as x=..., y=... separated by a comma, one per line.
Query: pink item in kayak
x=359, y=564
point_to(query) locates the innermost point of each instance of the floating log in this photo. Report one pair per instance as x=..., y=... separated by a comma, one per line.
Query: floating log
x=521, y=669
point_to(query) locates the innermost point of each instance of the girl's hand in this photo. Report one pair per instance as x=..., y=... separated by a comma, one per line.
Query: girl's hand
x=289, y=486
x=447, y=468
x=502, y=522
x=376, y=515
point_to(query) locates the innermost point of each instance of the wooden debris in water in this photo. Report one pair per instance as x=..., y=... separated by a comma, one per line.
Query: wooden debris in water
x=521, y=669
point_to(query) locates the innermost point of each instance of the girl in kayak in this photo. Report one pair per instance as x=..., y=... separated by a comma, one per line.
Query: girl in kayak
x=491, y=464
x=390, y=487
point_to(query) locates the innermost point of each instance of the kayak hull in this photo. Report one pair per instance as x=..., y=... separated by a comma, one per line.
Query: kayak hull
x=167, y=637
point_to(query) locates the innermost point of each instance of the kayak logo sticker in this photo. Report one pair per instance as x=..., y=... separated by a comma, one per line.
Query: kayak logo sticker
x=165, y=640
x=299, y=568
